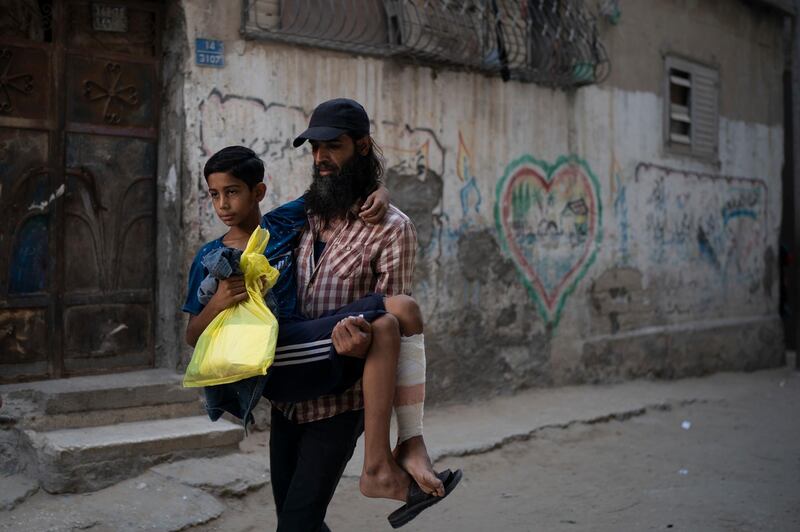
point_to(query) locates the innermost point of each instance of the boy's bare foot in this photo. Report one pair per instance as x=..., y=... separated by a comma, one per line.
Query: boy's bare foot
x=412, y=455
x=386, y=481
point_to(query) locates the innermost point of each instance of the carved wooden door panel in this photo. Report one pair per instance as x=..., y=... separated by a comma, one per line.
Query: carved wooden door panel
x=28, y=184
x=86, y=251
x=109, y=213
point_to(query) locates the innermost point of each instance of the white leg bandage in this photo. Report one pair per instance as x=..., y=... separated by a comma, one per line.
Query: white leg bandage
x=410, y=390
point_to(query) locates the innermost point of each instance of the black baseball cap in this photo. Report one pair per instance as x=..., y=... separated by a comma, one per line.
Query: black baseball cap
x=332, y=118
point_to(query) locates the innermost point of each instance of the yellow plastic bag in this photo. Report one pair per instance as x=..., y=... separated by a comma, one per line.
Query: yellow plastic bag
x=240, y=341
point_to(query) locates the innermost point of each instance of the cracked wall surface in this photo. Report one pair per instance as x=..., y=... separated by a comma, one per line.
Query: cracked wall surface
x=558, y=240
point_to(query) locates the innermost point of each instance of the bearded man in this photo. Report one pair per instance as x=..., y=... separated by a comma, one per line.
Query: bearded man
x=340, y=259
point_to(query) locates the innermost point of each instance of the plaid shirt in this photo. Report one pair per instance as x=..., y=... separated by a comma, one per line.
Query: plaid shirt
x=358, y=259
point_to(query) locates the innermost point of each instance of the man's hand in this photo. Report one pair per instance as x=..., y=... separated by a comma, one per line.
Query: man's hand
x=374, y=208
x=352, y=337
x=229, y=292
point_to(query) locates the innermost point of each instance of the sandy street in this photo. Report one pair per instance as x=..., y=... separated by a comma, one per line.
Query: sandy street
x=726, y=464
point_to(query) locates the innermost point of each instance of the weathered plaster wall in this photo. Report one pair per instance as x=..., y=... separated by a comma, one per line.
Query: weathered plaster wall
x=558, y=241
x=738, y=37
x=172, y=180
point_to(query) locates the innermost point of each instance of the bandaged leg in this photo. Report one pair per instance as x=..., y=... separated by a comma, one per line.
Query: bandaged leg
x=410, y=389
x=411, y=452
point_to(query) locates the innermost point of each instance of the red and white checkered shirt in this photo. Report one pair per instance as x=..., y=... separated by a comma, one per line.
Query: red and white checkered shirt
x=358, y=259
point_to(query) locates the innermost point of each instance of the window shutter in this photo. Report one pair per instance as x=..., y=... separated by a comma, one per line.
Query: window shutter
x=691, y=125
x=705, y=111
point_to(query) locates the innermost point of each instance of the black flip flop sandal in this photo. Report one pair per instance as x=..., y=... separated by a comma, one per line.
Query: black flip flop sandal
x=418, y=500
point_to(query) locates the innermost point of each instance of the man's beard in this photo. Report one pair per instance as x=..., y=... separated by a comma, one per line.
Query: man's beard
x=333, y=195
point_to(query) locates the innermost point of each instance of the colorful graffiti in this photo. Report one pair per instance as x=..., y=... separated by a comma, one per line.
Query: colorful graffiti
x=411, y=150
x=619, y=199
x=712, y=226
x=549, y=218
x=470, y=194
x=470, y=199
x=415, y=160
x=415, y=157
x=265, y=127
x=463, y=160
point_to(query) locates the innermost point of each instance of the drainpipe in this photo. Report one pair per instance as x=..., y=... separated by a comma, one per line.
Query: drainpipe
x=792, y=152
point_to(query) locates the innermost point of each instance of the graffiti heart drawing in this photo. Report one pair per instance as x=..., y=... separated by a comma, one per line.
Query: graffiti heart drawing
x=549, y=218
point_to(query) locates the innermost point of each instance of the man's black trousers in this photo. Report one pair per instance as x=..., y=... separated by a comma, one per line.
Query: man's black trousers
x=306, y=462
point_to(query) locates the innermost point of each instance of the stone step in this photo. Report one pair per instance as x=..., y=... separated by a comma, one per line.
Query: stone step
x=95, y=418
x=87, y=459
x=99, y=400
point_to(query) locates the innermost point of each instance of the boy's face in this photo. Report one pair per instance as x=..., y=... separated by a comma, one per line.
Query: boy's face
x=234, y=202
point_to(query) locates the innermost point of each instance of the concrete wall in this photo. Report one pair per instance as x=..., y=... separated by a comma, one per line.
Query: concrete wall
x=653, y=264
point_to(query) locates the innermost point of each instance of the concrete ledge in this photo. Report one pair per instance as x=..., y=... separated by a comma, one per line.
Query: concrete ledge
x=99, y=400
x=94, y=418
x=75, y=460
x=118, y=390
x=98, y=382
x=686, y=350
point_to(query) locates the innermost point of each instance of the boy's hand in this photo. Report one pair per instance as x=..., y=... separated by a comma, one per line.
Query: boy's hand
x=229, y=292
x=352, y=337
x=374, y=208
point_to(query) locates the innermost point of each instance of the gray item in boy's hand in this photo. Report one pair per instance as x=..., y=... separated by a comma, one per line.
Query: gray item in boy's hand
x=222, y=263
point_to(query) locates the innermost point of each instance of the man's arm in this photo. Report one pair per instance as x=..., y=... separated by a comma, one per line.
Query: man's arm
x=293, y=212
x=395, y=261
x=229, y=292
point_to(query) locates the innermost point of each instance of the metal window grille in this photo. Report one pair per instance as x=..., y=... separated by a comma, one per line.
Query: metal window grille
x=552, y=42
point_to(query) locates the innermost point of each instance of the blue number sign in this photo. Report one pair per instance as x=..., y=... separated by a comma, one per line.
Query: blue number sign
x=209, y=52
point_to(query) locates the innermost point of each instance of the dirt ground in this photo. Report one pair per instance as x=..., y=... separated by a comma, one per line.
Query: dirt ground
x=734, y=467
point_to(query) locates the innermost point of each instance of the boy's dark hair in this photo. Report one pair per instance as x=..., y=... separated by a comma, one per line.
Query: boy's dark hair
x=242, y=163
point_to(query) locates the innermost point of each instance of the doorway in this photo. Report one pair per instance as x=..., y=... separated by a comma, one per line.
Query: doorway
x=79, y=87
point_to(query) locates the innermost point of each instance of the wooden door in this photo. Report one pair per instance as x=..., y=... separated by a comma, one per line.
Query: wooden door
x=78, y=139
